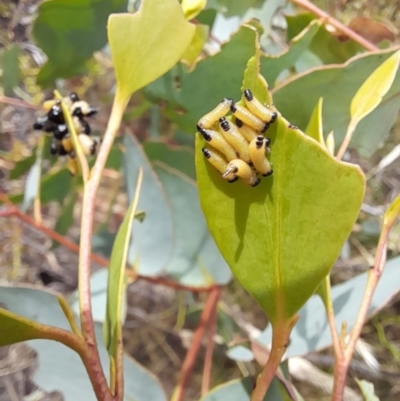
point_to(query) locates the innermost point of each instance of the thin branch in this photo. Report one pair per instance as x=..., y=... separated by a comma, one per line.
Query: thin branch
x=17, y=102
x=205, y=385
x=338, y=25
x=374, y=274
x=191, y=355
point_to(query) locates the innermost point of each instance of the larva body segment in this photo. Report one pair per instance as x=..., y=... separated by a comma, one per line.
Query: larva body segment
x=235, y=138
x=217, y=141
x=208, y=120
x=242, y=170
x=258, y=147
x=259, y=110
x=219, y=163
x=247, y=132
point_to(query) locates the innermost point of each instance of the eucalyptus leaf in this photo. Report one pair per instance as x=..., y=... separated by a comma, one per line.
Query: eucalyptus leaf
x=146, y=44
x=337, y=85
x=315, y=128
x=282, y=237
x=69, y=31
x=116, y=278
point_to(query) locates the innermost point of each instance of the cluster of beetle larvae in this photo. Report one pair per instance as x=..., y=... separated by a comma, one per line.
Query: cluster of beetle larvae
x=54, y=123
x=240, y=148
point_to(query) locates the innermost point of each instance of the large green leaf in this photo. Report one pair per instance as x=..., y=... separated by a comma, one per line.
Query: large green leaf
x=116, y=278
x=337, y=85
x=272, y=66
x=69, y=31
x=213, y=78
x=281, y=238
x=60, y=368
x=146, y=44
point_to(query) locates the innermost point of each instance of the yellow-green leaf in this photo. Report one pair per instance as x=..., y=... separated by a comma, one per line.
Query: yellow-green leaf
x=392, y=212
x=282, y=237
x=192, y=8
x=116, y=283
x=315, y=128
x=371, y=92
x=195, y=48
x=146, y=44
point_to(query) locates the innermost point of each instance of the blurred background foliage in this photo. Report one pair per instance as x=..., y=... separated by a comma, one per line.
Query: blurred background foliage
x=63, y=44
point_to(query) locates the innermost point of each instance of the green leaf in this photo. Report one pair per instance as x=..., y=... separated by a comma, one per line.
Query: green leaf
x=15, y=329
x=367, y=390
x=325, y=45
x=69, y=31
x=148, y=43
x=22, y=166
x=315, y=128
x=11, y=71
x=192, y=8
x=66, y=372
x=195, y=48
x=240, y=390
x=392, y=211
x=66, y=217
x=116, y=283
x=156, y=232
x=337, y=85
x=282, y=237
x=213, y=79
x=272, y=66
x=371, y=92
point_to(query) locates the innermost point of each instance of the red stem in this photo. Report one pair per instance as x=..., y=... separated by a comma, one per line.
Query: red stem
x=191, y=355
x=338, y=25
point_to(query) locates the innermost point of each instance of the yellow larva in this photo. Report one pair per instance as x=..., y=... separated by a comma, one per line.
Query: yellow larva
x=257, y=148
x=72, y=164
x=81, y=109
x=208, y=120
x=248, y=117
x=88, y=144
x=219, y=163
x=217, y=141
x=242, y=170
x=234, y=137
x=258, y=109
x=248, y=133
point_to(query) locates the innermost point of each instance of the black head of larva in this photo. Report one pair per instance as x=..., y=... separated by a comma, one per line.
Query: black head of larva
x=204, y=134
x=259, y=142
x=248, y=95
x=206, y=153
x=74, y=97
x=233, y=180
x=233, y=107
x=267, y=142
x=60, y=131
x=273, y=117
x=239, y=123
x=256, y=182
x=228, y=100
x=266, y=126
x=224, y=124
x=55, y=114
x=270, y=172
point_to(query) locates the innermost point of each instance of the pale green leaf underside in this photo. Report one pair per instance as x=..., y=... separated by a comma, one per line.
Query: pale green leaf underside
x=282, y=237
